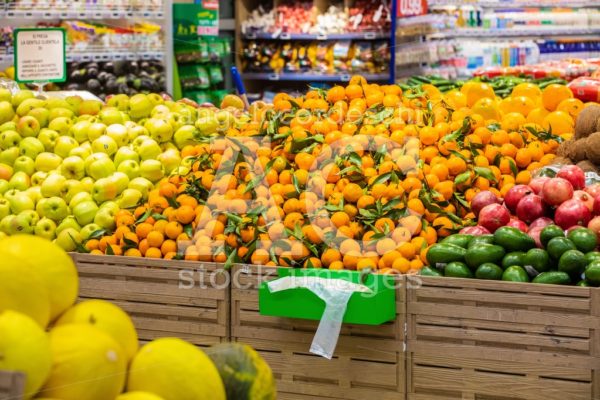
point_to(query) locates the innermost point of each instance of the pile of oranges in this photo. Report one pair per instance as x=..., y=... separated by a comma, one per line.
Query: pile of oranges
x=355, y=177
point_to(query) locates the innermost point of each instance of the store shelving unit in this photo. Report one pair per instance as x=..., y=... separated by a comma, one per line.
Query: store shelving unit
x=27, y=13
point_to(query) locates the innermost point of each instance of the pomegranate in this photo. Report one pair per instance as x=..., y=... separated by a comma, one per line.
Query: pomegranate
x=482, y=199
x=477, y=230
x=594, y=225
x=556, y=191
x=493, y=216
x=530, y=208
x=535, y=235
x=572, y=212
x=514, y=196
x=517, y=223
x=593, y=189
x=585, y=198
x=542, y=222
x=573, y=174
x=538, y=183
x=596, y=208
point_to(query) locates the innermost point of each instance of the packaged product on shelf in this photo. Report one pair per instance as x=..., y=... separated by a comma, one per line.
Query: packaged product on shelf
x=216, y=74
x=194, y=76
x=192, y=52
x=362, y=57
x=381, y=55
x=334, y=20
x=369, y=15
x=586, y=88
x=341, y=55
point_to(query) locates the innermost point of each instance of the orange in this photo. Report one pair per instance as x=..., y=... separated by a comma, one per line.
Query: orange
x=408, y=250
x=349, y=246
x=168, y=246
x=365, y=263
x=155, y=239
x=385, y=245
x=330, y=256
x=173, y=229
x=352, y=192
x=153, y=252
x=132, y=253
x=260, y=257
x=478, y=90
x=401, y=264
x=554, y=94
x=530, y=90
x=340, y=218
x=571, y=106
x=456, y=165
x=559, y=122
x=143, y=229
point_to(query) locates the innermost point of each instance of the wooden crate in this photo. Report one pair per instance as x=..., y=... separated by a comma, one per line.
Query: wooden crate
x=368, y=362
x=158, y=296
x=484, y=340
x=11, y=385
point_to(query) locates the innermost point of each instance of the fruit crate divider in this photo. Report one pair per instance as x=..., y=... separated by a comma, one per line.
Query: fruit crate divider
x=12, y=384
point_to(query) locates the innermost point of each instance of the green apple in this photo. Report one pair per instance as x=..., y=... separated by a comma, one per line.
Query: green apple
x=134, y=131
x=73, y=167
x=95, y=130
x=21, y=96
x=101, y=168
x=177, y=120
x=118, y=133
x=9, y=139
x=159, y=129
x=121, y=179
x=6, y=223
x=82, y=152
x=85, y=212
x=5, y=95
x=55, y=102
x=28, y=126
x=88, y=183
x=48, y=138
x=73, y=186
x=68, y=223
x=105, y=218
x=6, y=112
x=8, y=126
x=4, y=186
x=6, y=171
x=79, y=198
x=168, y=146
x=184, y=136
x=64, y=145
x=30, y=147
x=28, y=105
x=111, y=205
x=143, y=185
x=74, y=102
x=105, y=144
x=119, y=101
x=110, y=115
x=20, y=202
x=152, y=170
x=125, y=153
x=130, y=168
x=62, y=125
x=62, y=113
x=90, y=107
x=55, y=208
x=170, y=160
x=160, y=110
x=4, y=208
x=129, y=198
x=68, y=239
x=32, y=215
x=47, y=162
x=45, y=228
x=207, y=122
x=154, y=99
x=41, y=115
x=34, y=193
x=20, y=181
x=88, y=230
x=38, y=178
x=54, y=185
x=79, y=131
x=22, y=223
x=104, y=189
x=10, y=193
x=140, y=106
x=148, y=149
x=9, y=156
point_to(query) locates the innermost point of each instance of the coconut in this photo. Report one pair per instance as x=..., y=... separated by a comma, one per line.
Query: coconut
x=577, y=150
x=592, y=151
x=564, y=149
x=561, y=161
x=587, y=122
x=587, y=166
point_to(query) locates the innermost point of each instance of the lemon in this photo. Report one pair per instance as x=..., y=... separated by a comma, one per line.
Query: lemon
x=175, y=370
x=52, y=264
x=24, y=347
x=88, y=364
x=138, y=396
x=22, y=290
x=108, y=318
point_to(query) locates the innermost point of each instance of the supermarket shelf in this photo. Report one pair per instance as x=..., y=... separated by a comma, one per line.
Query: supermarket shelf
x=307, y=36
x=90, y=12
x=516, y=3
x=299, y=77
x=537, y=31
x=115, y=55
x=227, y=24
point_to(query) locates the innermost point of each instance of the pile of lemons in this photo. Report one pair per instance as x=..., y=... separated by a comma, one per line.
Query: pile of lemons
x=88, y=350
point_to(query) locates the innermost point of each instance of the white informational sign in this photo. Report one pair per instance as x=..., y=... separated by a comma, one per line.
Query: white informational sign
x=40, y=55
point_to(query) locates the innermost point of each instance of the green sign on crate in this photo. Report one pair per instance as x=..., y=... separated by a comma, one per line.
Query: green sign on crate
x=373, y=308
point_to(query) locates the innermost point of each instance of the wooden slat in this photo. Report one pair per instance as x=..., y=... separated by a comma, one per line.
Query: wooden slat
x=368, y=361
x=12, y=385
x=472, y=339
x=159, y=300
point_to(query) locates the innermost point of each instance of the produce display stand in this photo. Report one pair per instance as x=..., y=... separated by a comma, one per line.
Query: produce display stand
x=369, y=361
x=158, y=297
x=474, y=339
x=11, y=385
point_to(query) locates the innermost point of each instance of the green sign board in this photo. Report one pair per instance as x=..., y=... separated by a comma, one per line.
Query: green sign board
x=193, y=20
x=40, y=55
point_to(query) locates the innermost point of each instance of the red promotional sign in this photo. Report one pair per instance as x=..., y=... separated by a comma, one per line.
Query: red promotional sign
x=411, y=8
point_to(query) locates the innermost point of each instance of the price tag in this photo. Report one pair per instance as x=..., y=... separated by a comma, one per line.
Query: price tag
x=40, y=55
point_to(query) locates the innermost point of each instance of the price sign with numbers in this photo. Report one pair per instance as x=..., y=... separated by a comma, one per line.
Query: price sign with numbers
x=411, y=8
x=193, y=20
x=40, y=55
